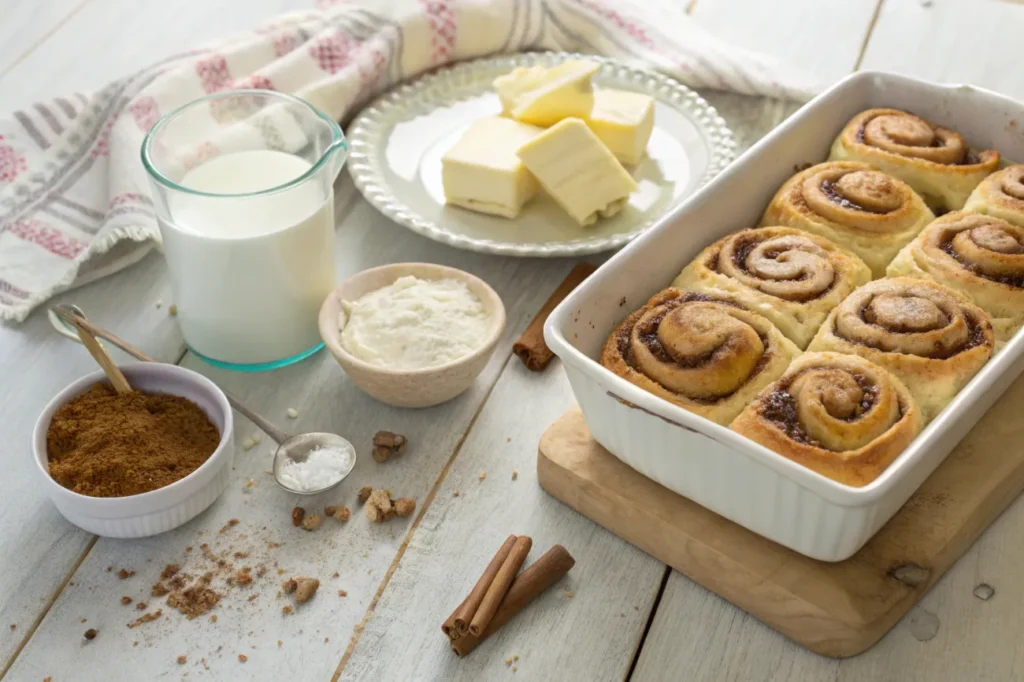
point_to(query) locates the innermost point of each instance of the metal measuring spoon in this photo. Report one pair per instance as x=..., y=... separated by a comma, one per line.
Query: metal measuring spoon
x=65, y=317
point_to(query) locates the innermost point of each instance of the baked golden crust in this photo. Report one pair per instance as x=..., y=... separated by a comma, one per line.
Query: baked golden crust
x=978, y=255
x=706, y=354
x=935, y=161
x=1000, y=195
x=930, y=336
x=791, y=277
x=839, y=415
x=855, y=206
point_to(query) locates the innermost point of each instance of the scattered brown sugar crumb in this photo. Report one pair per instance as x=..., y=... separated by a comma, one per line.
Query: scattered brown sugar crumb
x=343, y=514
x=326, y=639
x=302, y=586
x=336, y=575
x=280, y=643
x=287, y=609
x=14, y=626
x=105, y=444
x=569, y=595
x=142, y=606
x=311, y=522
x=515, y=657
x=253, y=597
x=158, y=590
x=515, y=668
x=170, y=570
x=364, y=493
x=241, y=555
x=243, y=658
x=189, y=548
x=172, y=310
x=483, y=475
x=455, y=494
x=124, y=574
x=405, y=506
x=126, y=600
x=84, y=620
x=515, y=474
x=342, y=593
x=387, y=444
x=91, y=633
x=213, y=617
x=298, y=513
x=330, y=510
x=229, y=524
x=182, y=660
x=378, y=507
x=146, y=618
x=109, y=569
x=273, y=545
x=195, y=600
x=243, y=576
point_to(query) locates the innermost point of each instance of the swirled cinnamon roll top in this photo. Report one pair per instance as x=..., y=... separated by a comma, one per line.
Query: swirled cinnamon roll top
x=930, y=336
x=1001, y=195
x=704, y=353
x=862, y=209
x=840, y=415
x=791, y=277
x=936, y=161
x=979, y=255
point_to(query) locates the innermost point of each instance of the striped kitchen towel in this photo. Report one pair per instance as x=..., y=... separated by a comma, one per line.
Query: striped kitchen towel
x=74, y=201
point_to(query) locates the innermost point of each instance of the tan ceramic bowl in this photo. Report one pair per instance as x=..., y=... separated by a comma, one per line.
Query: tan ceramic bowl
x=410, y=388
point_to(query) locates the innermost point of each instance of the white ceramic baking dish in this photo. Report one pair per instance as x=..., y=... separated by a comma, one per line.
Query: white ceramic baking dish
x=717, y=468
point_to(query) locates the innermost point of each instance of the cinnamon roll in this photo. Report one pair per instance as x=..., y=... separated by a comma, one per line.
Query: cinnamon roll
x=706, y=354
x=1001, y=195
x=979, y=255
x=935, y=161
x=930, y=336
x=861, y=209
x=793, y=278
x=840, y=415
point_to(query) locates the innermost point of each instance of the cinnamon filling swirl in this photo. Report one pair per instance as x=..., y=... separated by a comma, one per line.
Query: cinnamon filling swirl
x=989, y=250
x=856, y=198
x=693, y=346
x=911, y=136
x=790, y=267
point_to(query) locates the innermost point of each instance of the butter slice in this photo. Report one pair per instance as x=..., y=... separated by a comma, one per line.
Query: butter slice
x=578, y=171
x=623, y=121
x=544, y=96
x=481, y=171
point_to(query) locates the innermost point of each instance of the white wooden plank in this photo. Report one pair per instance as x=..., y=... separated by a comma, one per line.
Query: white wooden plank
x=26, y=24
x=821, y=37
x=361, y=552
x=112, y=38
x=39, y=547
x=590, y=636
x=952, y=41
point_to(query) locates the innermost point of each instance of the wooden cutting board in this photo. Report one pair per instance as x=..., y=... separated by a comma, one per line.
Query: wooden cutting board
x=835, y=609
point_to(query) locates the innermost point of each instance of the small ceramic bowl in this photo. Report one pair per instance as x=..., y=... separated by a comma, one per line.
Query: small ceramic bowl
x=410, y=388
x=163, y=509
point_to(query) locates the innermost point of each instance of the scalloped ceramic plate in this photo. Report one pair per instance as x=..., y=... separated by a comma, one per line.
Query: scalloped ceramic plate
x=398, y=141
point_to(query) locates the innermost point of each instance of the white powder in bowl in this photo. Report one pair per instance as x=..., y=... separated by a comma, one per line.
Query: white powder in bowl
x=323, y=466
x=414, y=324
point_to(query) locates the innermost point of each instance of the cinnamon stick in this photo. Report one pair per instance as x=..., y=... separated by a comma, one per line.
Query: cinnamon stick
x=467, y=609
x=496, y=592
x=448, y=627
x=528, y=585
x=530, y=347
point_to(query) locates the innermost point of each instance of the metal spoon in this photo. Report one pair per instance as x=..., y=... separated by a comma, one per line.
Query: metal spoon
x=66, y=319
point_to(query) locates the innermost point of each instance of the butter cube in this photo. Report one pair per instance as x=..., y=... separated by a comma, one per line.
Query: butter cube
x=578, y=171
x=481, y=171
x=544, y=96
x=623, y=121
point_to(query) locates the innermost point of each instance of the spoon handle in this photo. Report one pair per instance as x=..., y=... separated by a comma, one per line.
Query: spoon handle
x=82, y=324
x=103, y=359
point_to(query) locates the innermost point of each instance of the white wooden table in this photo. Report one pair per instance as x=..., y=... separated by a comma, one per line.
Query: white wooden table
x=629, y=616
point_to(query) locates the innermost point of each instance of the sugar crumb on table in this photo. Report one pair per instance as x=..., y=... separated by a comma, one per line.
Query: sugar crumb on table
x=182, y=660
x=90, y=634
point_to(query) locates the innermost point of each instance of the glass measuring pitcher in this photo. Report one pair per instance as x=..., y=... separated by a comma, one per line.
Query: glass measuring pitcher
x=243, y=189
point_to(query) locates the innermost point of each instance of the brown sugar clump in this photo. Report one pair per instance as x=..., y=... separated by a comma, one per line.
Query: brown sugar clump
x=378, y=507
x=169, y=571
x=146, y=618
x=195, y=600
x=298, y=513
x=302, y=587
x=311, y=522
x=243, y=658
x=243, y=576
x=90, y=634
x=182, y=660
x=405, y=506
x=364, y=493
x=142, y=606
x=387, y=444
x=342, y=514
x=330, y=510
x=126, y=600
x=124, y=574
x=158, y=590
x=103, y=444
x=287, y=609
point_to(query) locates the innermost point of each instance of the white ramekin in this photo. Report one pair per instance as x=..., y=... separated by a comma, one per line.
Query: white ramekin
x=161, y=510
x=713, y=466
x=418, y=387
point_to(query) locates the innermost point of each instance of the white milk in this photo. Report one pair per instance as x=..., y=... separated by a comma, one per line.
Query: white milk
x=250, y=273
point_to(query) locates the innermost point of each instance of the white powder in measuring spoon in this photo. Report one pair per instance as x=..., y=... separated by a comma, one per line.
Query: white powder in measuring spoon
x=324, y=466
